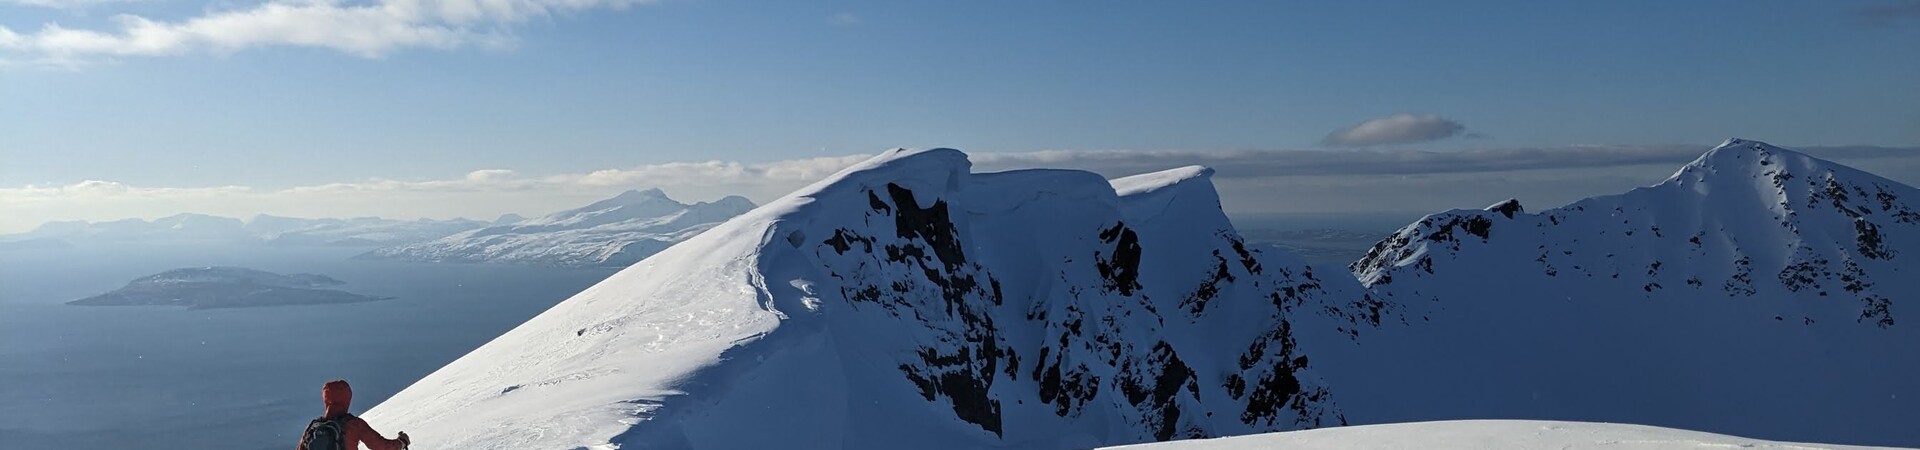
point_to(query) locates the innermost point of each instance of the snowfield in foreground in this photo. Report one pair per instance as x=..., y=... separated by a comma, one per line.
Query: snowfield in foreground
x=1488, y=435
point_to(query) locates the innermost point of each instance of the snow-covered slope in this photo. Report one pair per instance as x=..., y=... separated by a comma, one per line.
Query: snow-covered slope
x=1488, y=434
x=908, y=303
x=614, y=232
x=1756, y=292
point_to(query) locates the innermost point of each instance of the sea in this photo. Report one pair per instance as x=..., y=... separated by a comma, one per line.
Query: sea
x=108, y=377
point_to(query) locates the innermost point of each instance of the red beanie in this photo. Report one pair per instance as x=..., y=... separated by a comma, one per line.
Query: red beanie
x=337, y=395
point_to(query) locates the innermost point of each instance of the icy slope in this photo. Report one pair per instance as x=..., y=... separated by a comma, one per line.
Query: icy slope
x=1489, y=434
x=1756, y=292
x=614, y=232
x=908, y=303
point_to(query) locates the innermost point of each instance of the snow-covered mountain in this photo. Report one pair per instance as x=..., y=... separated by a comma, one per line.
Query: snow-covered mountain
x=507, y=219
x=201, y=228
x=908, y=303
x=1488, y=434
x=358, y=231
x=175, y=228
x=614, y=232
x=1758, y=291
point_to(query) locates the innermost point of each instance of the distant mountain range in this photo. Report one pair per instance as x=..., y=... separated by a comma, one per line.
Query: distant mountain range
x=614, y=232
x=262, y=229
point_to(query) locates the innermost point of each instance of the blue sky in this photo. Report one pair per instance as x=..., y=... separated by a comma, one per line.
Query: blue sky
x=219, y=94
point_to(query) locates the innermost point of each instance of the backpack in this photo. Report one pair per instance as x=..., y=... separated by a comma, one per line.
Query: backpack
x=326, y=433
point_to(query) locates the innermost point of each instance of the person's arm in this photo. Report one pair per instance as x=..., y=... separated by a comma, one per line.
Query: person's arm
x=359, y=431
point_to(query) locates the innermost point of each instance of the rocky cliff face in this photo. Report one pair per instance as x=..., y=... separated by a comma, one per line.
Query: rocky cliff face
x=1081, y=300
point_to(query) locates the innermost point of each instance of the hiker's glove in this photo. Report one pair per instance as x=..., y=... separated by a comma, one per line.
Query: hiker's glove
x=404, y=440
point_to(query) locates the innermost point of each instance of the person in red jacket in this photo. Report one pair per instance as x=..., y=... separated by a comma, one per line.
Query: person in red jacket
x=337, y=395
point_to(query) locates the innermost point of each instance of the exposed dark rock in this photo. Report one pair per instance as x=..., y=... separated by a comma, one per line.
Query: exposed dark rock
x=1196, y=303
x=1120, y=269
x=1877, y=310
x=930, y=225
x=962, y=364
x=1867, y=239
x=1741, y=282
x=1804, y=274
x=1246, y=257
x=1507, y=208
x=873, y=201
x=843, y=240
x=1475, y=225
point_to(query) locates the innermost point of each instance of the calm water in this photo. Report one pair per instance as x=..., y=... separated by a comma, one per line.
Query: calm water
x=248, y=378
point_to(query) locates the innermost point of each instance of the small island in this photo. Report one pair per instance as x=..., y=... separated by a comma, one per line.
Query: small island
x=226, y=287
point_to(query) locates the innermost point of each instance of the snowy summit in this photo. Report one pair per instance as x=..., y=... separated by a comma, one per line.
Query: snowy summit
x=1755, y=290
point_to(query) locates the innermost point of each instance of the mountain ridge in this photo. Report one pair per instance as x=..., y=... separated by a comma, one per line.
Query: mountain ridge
x=1752, y=256
x=1024, y=308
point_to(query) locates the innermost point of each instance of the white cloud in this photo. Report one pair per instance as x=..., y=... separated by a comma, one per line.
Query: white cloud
x=1400, y=128
x=488, y=175
x=715, y=173
x=10, y=39
x=1250, y=182
x=368, y=30
x=843, y=19
x=96, y=187
x=63, y=4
